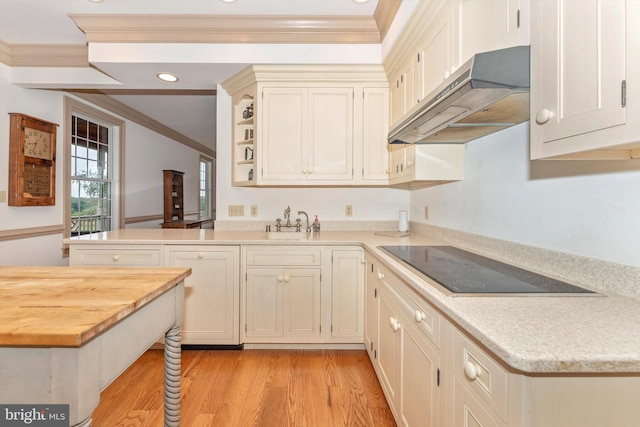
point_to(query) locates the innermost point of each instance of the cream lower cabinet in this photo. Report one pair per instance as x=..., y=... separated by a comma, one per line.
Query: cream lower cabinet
x=212, y=292
x=371, y=306
x=99, y=255
x=282, y=302
x=407, y=357
x=347, y=294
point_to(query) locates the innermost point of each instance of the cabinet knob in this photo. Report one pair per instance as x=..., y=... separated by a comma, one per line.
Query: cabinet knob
x=409, y=164
x=543, y=116
x=446, y=75
x=286, y=278
x=115, y=257
x=200, y=255
x=419, y=316
x=310, y=171
x=305, y=171
x=395, y=325
x=280, y=278
x=472, y=371
x=380, y=275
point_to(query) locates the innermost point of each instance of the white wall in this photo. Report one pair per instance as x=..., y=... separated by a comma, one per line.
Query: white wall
x=146, y=155
x=586, y=208
x=380, y=204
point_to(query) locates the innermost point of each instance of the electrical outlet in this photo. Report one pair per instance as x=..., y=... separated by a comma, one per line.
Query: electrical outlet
x=426, y=212
x=236, y=210
x=348, y=210
x=254, y=210
x=3, y=197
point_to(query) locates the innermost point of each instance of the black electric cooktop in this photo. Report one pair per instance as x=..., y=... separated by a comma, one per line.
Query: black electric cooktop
x=462, y=272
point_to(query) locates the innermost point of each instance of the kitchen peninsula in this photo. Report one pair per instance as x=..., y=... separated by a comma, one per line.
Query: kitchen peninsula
x=503, y=360
x=67, y=332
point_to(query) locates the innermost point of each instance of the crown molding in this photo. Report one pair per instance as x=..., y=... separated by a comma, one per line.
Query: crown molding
x=101, y=99
x=384, y=14
x=124, y=28
x=44, y=55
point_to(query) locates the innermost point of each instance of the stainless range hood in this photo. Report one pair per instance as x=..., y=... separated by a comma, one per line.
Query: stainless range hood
x=490, y=92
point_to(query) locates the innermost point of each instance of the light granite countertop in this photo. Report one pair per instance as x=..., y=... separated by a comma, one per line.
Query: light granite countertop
x=532, y=334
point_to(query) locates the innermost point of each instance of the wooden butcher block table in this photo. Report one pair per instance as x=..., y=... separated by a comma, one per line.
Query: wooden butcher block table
x=68, y=332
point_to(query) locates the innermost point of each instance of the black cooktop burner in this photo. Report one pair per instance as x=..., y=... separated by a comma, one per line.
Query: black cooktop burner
x=460, y=271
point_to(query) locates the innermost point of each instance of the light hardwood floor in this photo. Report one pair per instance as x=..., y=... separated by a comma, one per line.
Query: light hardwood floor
x=311, y=388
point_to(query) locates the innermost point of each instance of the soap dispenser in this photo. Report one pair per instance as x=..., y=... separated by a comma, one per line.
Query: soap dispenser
x=316, y=225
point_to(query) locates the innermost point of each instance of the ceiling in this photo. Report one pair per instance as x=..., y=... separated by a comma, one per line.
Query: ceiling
x=187, y=106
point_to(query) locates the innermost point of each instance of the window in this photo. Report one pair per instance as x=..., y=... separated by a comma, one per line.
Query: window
x=92, y=199
x=205, y=188
x=90, y=177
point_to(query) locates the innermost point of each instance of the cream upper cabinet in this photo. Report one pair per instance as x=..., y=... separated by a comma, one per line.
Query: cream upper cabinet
x=375, y=119
x=426, y=162
x=438, y=56
x=330, y=153
x=283, y=134
x=486, y=25
x=312, y=125
x=307, y=134
x=585, y=67
x=402, y=90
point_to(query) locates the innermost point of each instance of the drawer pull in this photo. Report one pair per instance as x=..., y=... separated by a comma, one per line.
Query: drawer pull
x=115, y=257
x=380, y=275
x=280, y=278
x=419, y=316
x=286, y=278
x=472, y=371
x=395, y=325
x=200, y=255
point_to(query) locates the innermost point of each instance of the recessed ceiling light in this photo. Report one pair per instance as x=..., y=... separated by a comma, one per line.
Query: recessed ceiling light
x=167, y=77
x=96, y=1
x=360, y=1
x=227, y=1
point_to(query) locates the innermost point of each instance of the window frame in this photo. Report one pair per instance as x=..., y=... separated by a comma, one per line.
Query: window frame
x=116, y=145
x=209, y=187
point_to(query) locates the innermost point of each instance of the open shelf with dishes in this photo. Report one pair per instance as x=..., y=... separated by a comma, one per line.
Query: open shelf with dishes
x=244, y=138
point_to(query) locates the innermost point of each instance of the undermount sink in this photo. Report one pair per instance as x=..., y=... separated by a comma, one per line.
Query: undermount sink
x=287, y=235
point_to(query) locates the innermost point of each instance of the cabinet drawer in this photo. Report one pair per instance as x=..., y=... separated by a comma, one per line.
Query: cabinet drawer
x=481, y=374
x=424, y=316
x=274, y=256
x=125, y=257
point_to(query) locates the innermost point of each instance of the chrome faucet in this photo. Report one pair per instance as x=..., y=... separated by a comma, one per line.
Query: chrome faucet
x=308, y=229
x=287, y=216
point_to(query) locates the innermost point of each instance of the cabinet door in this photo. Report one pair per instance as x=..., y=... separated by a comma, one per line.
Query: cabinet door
x=283, y=303
x=389, y=345
x=212, y=304
x=578, y=66
x=302, y=302
x=375, y=160
x=420, y=376
x=330, y=137
x=486, y=25
x=468, y=411
x=264, y=303
x=403, y=95
x=284, y=137
x=347, y=294
x=371, y=308
x=438, y=56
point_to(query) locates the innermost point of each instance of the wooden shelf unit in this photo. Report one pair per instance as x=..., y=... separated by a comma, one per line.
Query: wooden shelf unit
x=174, y=201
